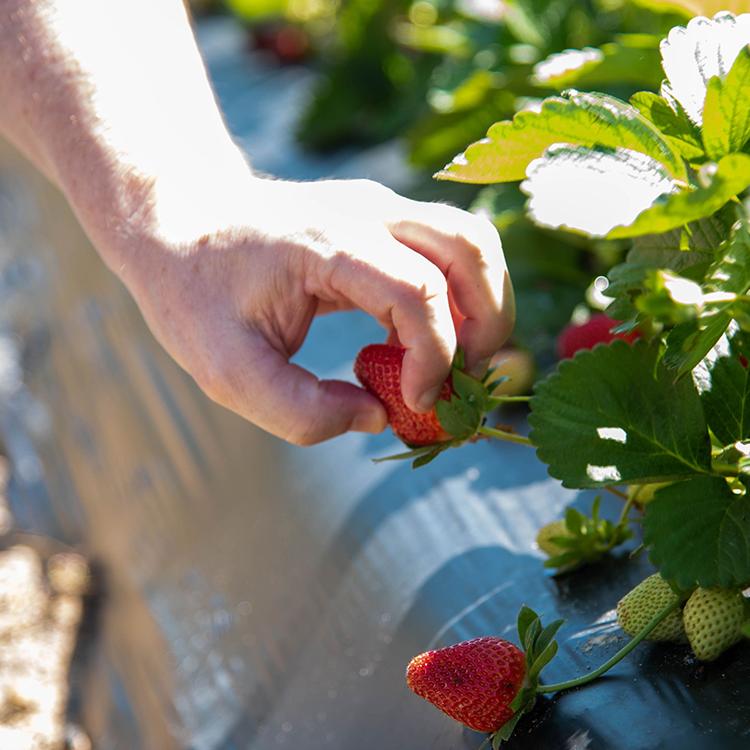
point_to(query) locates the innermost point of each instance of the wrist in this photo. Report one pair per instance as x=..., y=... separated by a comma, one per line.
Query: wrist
x=125, y=207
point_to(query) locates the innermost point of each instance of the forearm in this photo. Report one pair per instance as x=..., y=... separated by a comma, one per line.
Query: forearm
x=111, y=100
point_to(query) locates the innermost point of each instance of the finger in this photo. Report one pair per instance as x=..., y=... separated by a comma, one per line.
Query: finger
x=407, y=293
x=260, y=384
x=467, y=249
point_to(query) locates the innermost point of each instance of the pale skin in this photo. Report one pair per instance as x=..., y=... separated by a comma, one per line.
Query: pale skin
x=110, y=99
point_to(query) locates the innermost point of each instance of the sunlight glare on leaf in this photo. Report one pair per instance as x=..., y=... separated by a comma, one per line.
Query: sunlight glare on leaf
x=693, y=54
x=612, y=433
x=593, y=190
x=603, y=473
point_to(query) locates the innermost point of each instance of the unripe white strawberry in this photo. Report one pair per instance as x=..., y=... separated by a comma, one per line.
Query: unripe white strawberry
x=644, y=493
x=712, y=620
x=518, y=367
x=638, y=607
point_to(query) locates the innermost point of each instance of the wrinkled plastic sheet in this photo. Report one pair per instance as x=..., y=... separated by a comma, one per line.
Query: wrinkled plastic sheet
x=257, y=595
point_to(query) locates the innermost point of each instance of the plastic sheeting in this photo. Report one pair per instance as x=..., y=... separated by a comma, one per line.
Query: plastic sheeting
x=258, y=595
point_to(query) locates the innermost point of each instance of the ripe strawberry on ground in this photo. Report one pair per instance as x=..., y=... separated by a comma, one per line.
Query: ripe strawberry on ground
x=378, y=368
x=473, y=682
x=712, y=620
x=596, y=330
x=638, y=607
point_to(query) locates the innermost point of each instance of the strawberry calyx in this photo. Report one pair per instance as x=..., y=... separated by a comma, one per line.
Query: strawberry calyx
x=540, y=647
x=583, y=539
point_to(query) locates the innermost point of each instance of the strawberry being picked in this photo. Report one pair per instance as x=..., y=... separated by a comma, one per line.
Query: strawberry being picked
x=458, y=415
x=378, y=368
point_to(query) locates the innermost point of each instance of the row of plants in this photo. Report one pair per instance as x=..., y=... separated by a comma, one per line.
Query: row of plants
x=609, y=141
x=657, y=412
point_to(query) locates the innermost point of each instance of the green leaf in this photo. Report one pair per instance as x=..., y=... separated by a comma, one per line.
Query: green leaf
x=691, y=8
x=724, y=385
x=425, y=458
x=584, y=119
x=726, y=112
x=546, y=636
x=731, y=177
x=698, y=533
x=688, y=343
x=469, y=389
x=693, y=55
x=731, y=271
x=612, y=188
x=458, y=417
x=675, y=127
x=614, y=414
x=544, y=658
x=525, y=617
x=631, y=58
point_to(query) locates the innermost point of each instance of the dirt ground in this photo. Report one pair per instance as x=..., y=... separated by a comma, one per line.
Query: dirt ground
x=41, y=606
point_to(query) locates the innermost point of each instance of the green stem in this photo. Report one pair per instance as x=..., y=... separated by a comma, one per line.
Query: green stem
x=726, y=470
x=502, y=435
x=623, y=519
x=511, y=399
x=614, y=491
x=621, y=654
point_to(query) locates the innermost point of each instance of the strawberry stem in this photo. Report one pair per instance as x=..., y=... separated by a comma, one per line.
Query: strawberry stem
x=502, y=435
x=621, y=654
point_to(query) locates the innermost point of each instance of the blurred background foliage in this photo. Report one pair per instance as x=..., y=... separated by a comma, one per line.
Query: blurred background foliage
x=436, y=74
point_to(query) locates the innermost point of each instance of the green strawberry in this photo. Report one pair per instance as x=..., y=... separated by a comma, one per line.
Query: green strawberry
x=712, y=620
x=643, y=494
x=638, y=607
x=549, y=532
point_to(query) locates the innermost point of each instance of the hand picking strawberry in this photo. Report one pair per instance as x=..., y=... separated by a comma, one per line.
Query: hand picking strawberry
x=458, y=415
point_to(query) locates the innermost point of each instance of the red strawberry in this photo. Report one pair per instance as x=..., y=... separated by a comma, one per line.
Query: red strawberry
x=378, y=368
x=473, y=682
x=596, y=330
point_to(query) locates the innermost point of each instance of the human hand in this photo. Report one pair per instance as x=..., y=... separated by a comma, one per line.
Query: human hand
x=230, y=282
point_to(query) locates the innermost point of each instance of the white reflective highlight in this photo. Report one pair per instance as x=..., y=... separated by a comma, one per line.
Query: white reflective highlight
x=612, y=433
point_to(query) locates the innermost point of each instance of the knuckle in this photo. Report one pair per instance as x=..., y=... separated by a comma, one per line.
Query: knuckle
x=484, y=236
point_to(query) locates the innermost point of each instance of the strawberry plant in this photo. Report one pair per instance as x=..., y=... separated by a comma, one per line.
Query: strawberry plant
x=658, y=412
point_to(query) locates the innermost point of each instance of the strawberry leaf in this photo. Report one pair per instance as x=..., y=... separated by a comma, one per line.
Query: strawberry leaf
x=724, y=385
x=579, y=119
x=674, y=126
x=613, y=187
x=614, y=414
x=698, y=533
x=689, y=342
x=694, y=54
x=632, y=58
x=726, y=112
x=731, y=177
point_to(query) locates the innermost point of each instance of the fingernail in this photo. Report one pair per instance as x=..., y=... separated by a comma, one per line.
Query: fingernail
x=368, y=421
x=427, y=400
